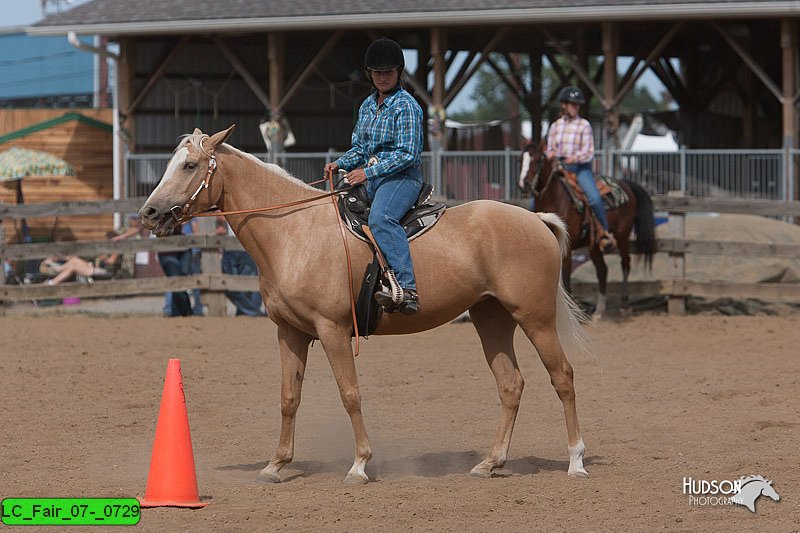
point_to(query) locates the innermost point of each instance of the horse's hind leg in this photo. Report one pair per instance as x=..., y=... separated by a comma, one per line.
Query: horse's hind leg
x=544, y=336
x=293, y=346
x=496, y=327
x=625, y=257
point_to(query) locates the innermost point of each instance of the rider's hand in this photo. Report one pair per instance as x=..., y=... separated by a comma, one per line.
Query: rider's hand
x=569, y=160
x=551, y=155
x=330, y=167
x=356, y=176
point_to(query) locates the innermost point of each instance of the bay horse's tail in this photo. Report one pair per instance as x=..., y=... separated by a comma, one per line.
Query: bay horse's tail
x=645, y=224
x=569, y=317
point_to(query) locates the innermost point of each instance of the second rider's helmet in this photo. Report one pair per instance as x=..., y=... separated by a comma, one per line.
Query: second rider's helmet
x=571, y=94
x=384, y=54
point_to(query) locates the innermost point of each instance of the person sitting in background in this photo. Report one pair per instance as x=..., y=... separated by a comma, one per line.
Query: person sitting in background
x=239, y=262
x=74, y=266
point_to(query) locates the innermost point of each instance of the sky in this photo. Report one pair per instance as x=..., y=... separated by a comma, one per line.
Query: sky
x=25, y=12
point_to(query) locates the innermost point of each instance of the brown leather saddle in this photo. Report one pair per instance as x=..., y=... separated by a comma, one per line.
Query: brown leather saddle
x=354, y=208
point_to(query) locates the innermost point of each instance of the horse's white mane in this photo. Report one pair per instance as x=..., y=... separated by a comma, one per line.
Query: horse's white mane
x=276, y=169
x=745, y=480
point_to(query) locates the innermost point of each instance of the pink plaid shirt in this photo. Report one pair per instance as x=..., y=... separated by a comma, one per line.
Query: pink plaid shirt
x=571, y=137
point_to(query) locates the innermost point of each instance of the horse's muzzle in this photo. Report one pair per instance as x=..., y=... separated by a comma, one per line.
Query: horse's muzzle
x=160, y=223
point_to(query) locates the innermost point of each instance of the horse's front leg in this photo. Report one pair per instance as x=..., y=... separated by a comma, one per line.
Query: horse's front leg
x=293, y=345
x=338, y=349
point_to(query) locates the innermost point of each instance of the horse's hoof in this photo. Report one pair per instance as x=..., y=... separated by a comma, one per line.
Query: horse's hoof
x=268, y=477
x=597, y=318
x=480, y=472
x=355, y=479
x=579, y=473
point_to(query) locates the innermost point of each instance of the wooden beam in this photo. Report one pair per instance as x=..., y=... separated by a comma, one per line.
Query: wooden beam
x=750, y=62
x=512, y=86
x=438, y=48
x=248, y=78
x=323, y=52
x=157, y=73
x=461, y=71
x=489, y=48
x=788, y=75
x=577, y=68
x=652, y=56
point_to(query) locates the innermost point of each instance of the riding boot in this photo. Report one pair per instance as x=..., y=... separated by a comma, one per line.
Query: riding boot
x=607, y=242
x=408, y=306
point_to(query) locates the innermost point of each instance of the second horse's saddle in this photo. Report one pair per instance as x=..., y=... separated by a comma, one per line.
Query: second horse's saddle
x=354, y=209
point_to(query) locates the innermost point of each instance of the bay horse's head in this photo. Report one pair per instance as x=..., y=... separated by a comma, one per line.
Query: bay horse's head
x=534, y=165
x=187, y=185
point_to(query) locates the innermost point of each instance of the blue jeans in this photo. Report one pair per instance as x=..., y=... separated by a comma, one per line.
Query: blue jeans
x=195, y=268
x=177, y=264
x=392, y=197
x=586, y=182
x=240, y=263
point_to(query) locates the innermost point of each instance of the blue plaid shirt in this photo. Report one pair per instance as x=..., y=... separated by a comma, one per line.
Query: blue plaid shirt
x=392, y=132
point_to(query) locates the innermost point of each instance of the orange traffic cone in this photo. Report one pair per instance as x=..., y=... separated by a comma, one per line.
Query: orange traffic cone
x=172, y=480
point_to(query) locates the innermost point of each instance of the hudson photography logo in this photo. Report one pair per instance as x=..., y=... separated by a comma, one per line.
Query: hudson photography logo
x=743, y=491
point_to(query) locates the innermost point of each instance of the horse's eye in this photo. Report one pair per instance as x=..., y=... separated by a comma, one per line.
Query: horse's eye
x=189, y=165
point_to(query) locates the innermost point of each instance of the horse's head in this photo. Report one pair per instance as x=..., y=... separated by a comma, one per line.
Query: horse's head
x=534, y=165
x=187, y=185
x=768, y=491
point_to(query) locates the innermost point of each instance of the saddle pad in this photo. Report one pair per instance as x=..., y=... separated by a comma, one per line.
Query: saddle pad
x=609, y=188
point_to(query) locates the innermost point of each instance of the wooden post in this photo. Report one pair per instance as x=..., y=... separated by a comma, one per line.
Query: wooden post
x=676, y=305
x=211, y=263
x=789, y=118
x=276, y=67
x=438, y=47
x=610, y=46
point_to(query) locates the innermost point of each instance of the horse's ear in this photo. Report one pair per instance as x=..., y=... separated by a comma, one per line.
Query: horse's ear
x=221, y=136
x=197, y=132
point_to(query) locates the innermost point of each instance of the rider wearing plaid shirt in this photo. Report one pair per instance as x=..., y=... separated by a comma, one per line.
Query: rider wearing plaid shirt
x=571, y=138
x=386, y=154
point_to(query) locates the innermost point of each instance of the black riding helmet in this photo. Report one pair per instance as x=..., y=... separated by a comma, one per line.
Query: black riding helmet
x=571, y=94
x=384, y=54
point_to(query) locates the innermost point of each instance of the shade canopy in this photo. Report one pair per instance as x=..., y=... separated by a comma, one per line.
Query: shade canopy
x=16, y=163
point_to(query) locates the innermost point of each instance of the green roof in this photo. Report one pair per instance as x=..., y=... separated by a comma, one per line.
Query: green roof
x=66, y=117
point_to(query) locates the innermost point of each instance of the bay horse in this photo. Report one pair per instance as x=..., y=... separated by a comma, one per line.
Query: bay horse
x=540, y=176
x=470, y=260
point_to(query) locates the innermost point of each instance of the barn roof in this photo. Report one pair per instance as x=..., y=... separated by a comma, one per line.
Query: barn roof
x=47, y=124
x=119, y=17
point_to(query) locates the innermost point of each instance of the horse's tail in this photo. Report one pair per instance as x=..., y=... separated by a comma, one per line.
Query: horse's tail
x=569, y=317
x=645, y=224
x=559, y=229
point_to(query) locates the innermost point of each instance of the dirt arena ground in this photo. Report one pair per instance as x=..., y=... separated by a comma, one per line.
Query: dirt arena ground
x=707, y=397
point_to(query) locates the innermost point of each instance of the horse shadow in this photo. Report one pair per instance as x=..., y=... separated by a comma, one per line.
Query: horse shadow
x=426, y=465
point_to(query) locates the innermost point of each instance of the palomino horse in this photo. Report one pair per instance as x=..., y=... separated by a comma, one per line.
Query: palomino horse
x=471, y=260
x=540, y=177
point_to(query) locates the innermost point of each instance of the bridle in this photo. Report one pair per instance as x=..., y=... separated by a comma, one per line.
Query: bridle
x=539, y=165
x=179, y=212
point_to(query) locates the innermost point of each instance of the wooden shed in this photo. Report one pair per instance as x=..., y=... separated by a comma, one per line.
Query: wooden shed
x=86, y=144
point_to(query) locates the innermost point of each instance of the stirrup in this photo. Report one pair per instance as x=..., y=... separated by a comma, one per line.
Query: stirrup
x=408, y=306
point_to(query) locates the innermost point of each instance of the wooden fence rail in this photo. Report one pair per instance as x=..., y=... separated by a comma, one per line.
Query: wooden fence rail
x=212, y=282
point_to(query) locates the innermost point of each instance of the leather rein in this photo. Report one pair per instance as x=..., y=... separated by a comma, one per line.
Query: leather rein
x=182, y=215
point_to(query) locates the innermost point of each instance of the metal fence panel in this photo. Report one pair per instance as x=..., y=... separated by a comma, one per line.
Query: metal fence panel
x=494, y=174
